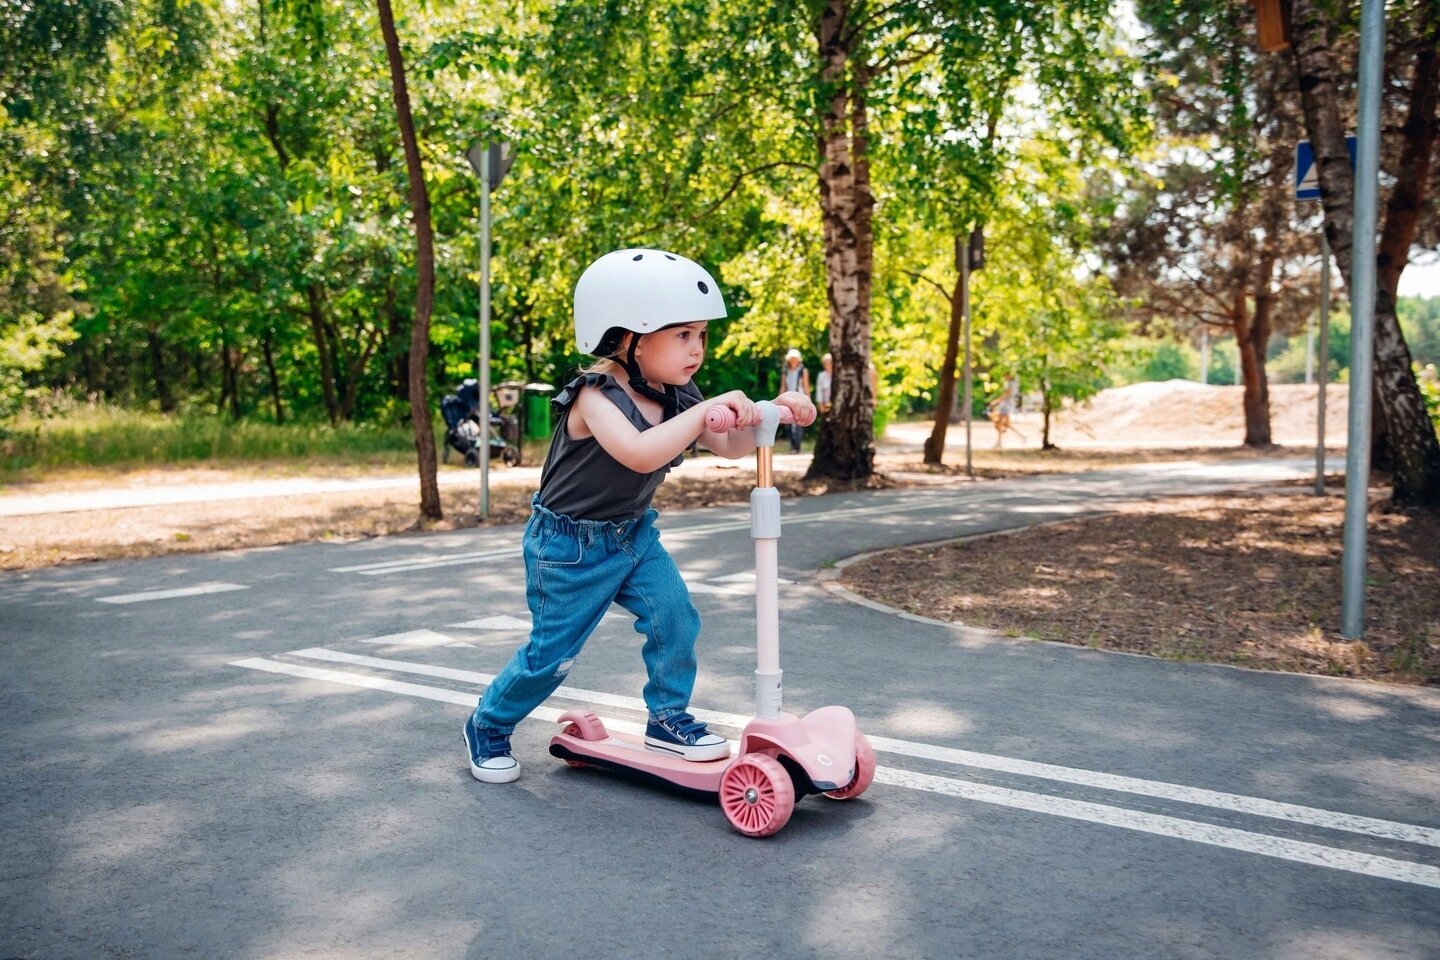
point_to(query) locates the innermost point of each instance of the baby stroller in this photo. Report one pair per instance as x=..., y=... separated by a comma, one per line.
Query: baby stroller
x=463, y=432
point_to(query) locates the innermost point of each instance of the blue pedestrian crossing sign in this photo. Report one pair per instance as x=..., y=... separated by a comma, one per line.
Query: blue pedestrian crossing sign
x=1307, y=173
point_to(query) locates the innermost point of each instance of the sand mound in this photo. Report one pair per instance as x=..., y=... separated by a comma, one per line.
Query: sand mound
x=1182, y=412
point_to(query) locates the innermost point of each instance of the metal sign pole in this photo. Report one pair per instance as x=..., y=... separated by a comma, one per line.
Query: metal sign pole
x=484, y=372
x=1324, y=358
x=965, y=313
x=1362, y=318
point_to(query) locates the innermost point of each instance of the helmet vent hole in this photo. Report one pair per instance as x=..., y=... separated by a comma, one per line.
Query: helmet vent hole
x=701, y=285
x=638, y=256
x=668, y=257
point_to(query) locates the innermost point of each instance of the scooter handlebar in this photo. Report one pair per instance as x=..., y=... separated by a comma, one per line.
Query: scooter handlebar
x=721, y=419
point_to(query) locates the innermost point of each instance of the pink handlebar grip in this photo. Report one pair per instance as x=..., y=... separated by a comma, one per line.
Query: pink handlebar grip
x=721, y=419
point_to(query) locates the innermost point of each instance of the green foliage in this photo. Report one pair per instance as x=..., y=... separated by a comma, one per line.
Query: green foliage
x=1142, y=359
x=1429, y=382
x=207, y=206
x=1420, y=322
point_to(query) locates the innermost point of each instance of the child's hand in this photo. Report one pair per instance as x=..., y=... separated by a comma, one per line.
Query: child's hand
x=746, y=414
x=799, y=405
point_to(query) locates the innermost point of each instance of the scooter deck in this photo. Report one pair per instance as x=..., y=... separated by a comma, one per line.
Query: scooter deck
x=628, y=754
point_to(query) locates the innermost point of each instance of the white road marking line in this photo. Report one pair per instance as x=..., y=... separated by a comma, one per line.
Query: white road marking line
x=464, y=676
x=1297, y=851
x=194, y=591
x=1195, y=796
x=502, y=622
x=456, y=697
x=417, y=638
x=426, y=562
x=702, y=587
x=1245, y=841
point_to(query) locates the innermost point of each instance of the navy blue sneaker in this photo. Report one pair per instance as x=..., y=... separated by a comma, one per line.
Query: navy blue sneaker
x=490, y=760
x=685, y=737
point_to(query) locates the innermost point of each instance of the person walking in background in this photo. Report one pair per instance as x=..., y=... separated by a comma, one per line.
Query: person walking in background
x=1003, y=407
x=795, y=379
x=822, y=385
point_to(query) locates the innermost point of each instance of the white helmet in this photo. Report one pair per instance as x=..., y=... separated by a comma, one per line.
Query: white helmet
x=642, y=291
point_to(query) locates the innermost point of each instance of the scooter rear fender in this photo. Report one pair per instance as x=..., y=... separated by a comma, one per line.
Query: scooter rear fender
x=822, y=743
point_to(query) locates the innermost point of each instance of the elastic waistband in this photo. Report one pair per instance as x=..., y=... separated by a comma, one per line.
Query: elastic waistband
x=590, y=529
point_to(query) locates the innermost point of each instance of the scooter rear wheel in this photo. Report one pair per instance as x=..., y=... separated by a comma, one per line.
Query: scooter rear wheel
x=582, y=725
x=757, y=795
x=864, y=771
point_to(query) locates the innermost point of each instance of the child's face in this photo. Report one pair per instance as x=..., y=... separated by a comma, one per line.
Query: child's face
x=672, y=355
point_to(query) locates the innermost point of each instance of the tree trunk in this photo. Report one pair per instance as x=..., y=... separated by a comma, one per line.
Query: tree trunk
x=1416, y=452
x=267, y=347
x=425, y=270
x=1047, y=405
x=945, y=405
x=397, y=347
x=322, y=347
x=229, y=381
x=845, y=447
x=1252, y=336
x=157, y=369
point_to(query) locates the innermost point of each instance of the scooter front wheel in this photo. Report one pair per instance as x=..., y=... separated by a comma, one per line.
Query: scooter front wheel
x=864, y=771
x=757, y=795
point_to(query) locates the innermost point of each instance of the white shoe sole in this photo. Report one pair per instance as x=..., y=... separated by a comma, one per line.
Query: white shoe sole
x=713, y=751
x=491, y=775
x=506, y=774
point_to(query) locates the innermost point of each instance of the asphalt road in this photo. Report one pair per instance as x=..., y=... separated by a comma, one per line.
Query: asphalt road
x=258, y=754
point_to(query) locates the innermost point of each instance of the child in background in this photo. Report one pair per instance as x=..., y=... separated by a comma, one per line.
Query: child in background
x=795, y=379
x=591, y=540
x=822, y=385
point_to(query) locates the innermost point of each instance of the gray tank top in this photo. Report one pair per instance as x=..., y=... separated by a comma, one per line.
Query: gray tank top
x=580, y=480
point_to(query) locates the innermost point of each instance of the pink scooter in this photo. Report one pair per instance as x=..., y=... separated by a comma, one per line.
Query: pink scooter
x=782, y=757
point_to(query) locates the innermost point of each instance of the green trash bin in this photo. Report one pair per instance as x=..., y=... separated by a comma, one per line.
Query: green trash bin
x=537, y=410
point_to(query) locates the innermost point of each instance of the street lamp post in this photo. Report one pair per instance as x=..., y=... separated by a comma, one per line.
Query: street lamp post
x=490, y=161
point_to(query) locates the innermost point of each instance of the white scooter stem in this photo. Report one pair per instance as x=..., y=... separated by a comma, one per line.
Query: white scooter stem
x=765, y=531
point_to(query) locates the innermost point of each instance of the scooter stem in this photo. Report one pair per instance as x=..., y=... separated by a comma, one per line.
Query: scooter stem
x=765, y=531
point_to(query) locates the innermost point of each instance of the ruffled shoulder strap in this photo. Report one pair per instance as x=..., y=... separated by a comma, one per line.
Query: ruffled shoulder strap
x=607, y=385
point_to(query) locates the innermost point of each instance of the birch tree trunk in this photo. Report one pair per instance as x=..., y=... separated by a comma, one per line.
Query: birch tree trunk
x=845, y=447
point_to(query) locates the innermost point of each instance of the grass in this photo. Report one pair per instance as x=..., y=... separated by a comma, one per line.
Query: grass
x=95, y=436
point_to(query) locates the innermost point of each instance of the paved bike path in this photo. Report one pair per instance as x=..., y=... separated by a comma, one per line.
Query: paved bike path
x=280, y=771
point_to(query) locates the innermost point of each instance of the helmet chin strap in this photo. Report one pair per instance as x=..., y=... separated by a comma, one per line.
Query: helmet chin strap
x=669, y=400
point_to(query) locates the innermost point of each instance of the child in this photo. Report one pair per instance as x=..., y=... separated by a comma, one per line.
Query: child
x=591, y=540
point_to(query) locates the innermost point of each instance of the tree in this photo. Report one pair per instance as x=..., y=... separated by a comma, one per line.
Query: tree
x=1207, y=236
x=425, y=263
x=1411, y=435
x=942, y=75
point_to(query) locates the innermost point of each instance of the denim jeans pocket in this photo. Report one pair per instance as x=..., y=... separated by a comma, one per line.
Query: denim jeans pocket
x=557, y=549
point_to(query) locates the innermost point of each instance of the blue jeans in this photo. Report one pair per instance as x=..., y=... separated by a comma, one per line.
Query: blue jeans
x=574, y=570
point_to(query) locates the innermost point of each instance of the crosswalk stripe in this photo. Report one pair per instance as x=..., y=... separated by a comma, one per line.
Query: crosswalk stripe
x=1194, y=796
x=1246, y=841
